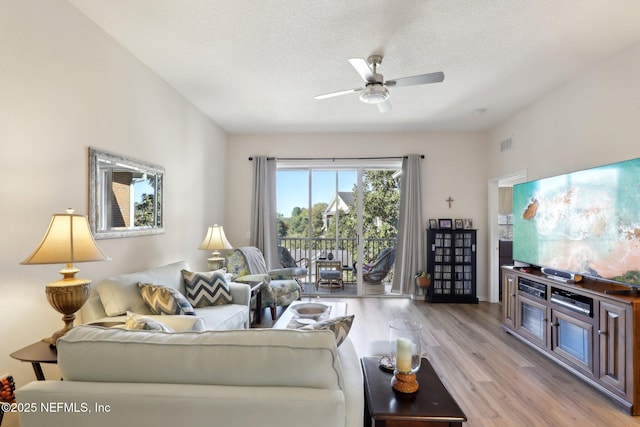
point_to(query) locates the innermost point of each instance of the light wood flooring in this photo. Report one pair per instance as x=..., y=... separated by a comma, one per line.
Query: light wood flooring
x=496, y=379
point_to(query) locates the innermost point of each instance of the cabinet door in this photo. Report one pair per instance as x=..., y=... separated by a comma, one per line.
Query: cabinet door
x=509, y=294
x=464, y=261
x=572, y=340
x=531, y=320
x=440, y=257
x=613, y=346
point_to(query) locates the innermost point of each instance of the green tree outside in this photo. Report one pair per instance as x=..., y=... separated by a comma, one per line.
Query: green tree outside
x=381, y=208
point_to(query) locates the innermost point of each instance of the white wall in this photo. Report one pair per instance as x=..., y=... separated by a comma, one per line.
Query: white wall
x=454, y=166
x=66, y=86
x=593, y=120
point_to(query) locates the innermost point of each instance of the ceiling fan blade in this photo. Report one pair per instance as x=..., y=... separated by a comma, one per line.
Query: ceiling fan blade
x=363, y=69
x=421, y=79
x=342, y=92
x=384, y=107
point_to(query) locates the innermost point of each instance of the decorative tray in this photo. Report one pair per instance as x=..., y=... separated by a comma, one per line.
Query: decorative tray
x=311, y=310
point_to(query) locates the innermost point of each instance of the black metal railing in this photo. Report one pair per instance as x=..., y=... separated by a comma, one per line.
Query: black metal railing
x=342, y=249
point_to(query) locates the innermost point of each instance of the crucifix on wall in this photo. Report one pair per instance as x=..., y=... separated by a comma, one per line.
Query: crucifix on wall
x=449, y=200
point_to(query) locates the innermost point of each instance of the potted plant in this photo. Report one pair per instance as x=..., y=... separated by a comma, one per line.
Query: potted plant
x=423, y=279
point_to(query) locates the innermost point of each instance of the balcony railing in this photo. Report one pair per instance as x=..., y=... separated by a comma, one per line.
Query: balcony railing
x=342, y=249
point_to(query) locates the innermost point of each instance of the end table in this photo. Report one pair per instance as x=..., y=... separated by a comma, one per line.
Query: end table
x=256, y=291
x=431, y=405
x=37, y=353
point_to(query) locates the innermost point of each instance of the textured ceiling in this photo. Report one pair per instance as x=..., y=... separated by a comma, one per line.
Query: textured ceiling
x=254, y=66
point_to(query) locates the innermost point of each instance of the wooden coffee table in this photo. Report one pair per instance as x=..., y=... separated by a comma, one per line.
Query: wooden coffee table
x=431, y=405
x=337, y=309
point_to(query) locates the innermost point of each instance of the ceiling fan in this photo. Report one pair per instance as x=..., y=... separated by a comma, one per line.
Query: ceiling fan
x=376, y=89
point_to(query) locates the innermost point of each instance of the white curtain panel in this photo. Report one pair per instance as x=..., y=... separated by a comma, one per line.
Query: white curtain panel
x=410, y=256
x=263, y=209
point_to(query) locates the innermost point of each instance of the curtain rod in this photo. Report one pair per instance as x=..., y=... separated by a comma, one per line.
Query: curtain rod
x=337, y=158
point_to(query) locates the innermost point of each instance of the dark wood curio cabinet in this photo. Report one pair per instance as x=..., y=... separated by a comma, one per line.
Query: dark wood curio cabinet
x=451, y=261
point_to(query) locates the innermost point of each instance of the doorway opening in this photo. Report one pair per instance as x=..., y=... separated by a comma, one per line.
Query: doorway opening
x=500, y=227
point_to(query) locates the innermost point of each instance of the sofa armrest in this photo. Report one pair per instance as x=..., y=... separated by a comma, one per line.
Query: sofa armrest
x=283, y=272
x=255, y=278
x=240, y=293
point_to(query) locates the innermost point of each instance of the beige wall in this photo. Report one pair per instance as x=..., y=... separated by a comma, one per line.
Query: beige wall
x=454, y=166
x=66, y=86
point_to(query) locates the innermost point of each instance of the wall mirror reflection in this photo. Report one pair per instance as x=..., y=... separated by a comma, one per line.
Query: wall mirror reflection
x=125, y=196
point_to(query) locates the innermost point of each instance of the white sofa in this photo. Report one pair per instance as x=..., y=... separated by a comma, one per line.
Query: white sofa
x=110, y=300
x=241, y=378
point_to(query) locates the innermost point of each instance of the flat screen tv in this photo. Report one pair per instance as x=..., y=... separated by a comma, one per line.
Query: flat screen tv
x=585, y=222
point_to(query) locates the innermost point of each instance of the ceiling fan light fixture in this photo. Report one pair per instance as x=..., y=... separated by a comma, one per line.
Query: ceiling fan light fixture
x=374, y=94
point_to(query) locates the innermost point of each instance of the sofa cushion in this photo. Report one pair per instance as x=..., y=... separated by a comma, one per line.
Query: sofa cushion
x=119, y=294
x=164, y=300
x=226, y=316
x=140, y=322
x=248, y=357
x=206, y=288
x=340, y=326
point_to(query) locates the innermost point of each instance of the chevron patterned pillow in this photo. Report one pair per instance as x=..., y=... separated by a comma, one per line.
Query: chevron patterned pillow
x=340, y=326
x=164, y=300
x=206, y=288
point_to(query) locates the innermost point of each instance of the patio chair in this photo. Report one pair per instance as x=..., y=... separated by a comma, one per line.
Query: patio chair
x=298, y=268
x=279, y=287
x=376, y=271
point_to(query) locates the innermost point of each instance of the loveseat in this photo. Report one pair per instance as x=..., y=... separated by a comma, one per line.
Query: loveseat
x=111, y=299
x=241, y=378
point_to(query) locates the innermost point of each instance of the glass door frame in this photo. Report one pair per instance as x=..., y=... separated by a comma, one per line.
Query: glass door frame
x=337, y=165
x=359, y=221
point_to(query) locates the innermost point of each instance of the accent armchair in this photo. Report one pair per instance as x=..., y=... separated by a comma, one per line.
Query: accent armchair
x=279, y=288
x=375, y=272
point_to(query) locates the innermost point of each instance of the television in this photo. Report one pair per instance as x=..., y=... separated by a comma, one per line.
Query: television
x=585, y=222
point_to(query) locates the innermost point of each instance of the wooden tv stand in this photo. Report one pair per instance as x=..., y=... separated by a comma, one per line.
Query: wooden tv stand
x=597, y=338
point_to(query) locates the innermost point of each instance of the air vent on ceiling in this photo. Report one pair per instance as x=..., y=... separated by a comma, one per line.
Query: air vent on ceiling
x=507, y=144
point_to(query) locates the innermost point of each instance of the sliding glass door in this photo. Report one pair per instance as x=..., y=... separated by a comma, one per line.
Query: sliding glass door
x=335, y=219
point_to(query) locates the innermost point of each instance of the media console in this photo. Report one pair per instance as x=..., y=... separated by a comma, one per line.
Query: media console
x=586, y=327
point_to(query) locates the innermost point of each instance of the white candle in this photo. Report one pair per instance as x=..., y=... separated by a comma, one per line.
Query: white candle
x=403, y=355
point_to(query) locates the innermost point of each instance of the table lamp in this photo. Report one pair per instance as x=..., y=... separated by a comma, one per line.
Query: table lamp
x=68, y=240
x=215, y=240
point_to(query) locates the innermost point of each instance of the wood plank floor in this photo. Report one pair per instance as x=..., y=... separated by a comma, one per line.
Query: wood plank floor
x=496, y=379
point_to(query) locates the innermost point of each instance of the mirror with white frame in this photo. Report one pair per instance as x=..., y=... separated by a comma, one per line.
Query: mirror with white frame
x=125, y=196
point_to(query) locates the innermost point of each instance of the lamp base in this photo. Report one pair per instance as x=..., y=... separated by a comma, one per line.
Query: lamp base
x=67, y=296
x=215, y=263
x=404, y=383
x=68, y=325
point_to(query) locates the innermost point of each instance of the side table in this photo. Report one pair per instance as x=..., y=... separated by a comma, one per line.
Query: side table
x=431, y=405
x=37, y=353
x=329, y=273
x=256, y=291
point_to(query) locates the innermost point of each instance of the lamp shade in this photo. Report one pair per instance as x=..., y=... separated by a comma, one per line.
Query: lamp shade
x=68, y=240
x=215, y=239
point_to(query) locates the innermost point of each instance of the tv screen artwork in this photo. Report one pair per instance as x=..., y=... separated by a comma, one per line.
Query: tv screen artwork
x=585, y=222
